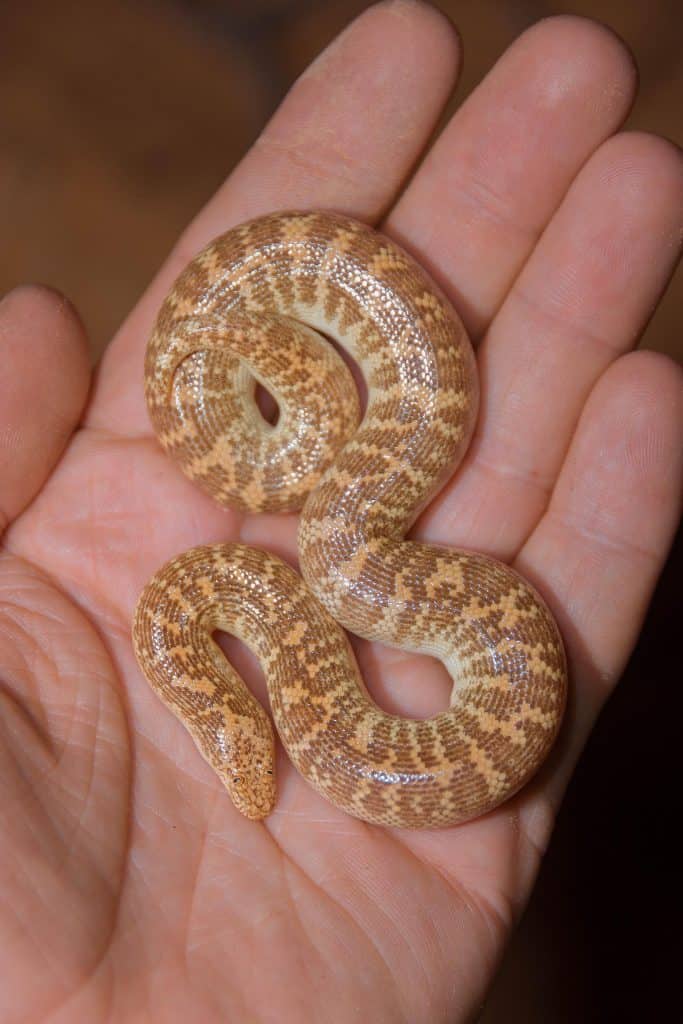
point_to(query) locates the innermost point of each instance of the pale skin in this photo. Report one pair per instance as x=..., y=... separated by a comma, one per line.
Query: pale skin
x=130, y=887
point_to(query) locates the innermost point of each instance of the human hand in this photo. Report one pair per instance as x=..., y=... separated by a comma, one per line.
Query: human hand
x=130, y=887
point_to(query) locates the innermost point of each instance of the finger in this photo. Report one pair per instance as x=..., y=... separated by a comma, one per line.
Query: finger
x=43, y=387
x=345, y=138
x=599, y=549
x=581, y=301
x=484, y=194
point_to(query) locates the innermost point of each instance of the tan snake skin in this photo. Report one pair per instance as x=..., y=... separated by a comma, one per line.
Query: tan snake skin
x=247, y=310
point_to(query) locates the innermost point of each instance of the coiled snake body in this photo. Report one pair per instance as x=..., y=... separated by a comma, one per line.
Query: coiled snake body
x=247, y=310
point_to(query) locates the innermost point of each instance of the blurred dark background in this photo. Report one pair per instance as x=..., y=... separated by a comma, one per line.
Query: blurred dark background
x=117, y=120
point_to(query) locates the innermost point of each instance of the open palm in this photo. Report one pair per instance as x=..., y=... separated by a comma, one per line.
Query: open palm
x=130, y=888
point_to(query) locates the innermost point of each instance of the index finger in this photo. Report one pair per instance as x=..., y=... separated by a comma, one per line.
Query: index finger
x=345, y=138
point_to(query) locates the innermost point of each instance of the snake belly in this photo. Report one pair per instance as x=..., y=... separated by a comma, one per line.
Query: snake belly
x=253, y=308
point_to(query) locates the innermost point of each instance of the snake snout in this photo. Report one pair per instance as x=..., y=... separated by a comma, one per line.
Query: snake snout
x=253, y=793
x=249, y=777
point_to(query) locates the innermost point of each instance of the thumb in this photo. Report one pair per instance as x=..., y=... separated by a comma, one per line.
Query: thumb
x=43, y=388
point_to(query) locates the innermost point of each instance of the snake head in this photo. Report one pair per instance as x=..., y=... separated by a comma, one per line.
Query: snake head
x=248, y=768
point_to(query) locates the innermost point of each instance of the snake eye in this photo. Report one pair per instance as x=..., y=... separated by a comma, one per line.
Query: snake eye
x=236, y=779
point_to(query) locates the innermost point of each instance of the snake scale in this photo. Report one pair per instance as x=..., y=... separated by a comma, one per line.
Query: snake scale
x=252, y=309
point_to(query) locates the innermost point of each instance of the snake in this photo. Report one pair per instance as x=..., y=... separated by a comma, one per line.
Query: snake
x=301, y=303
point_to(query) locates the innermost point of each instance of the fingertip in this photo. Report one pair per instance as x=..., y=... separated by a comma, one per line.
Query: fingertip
x=653, y=370
x=644, y=171
x=430, y=22
x=643, y=382
x=640, y=399
x=54, y=320
x=45, y=328
x=430, y=19
x=573, y=55
x=591, y=36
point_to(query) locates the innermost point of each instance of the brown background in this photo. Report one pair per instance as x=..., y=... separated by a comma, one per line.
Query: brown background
x=117, y=120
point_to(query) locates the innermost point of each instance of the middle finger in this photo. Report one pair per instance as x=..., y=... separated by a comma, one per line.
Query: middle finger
x=492, y=181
